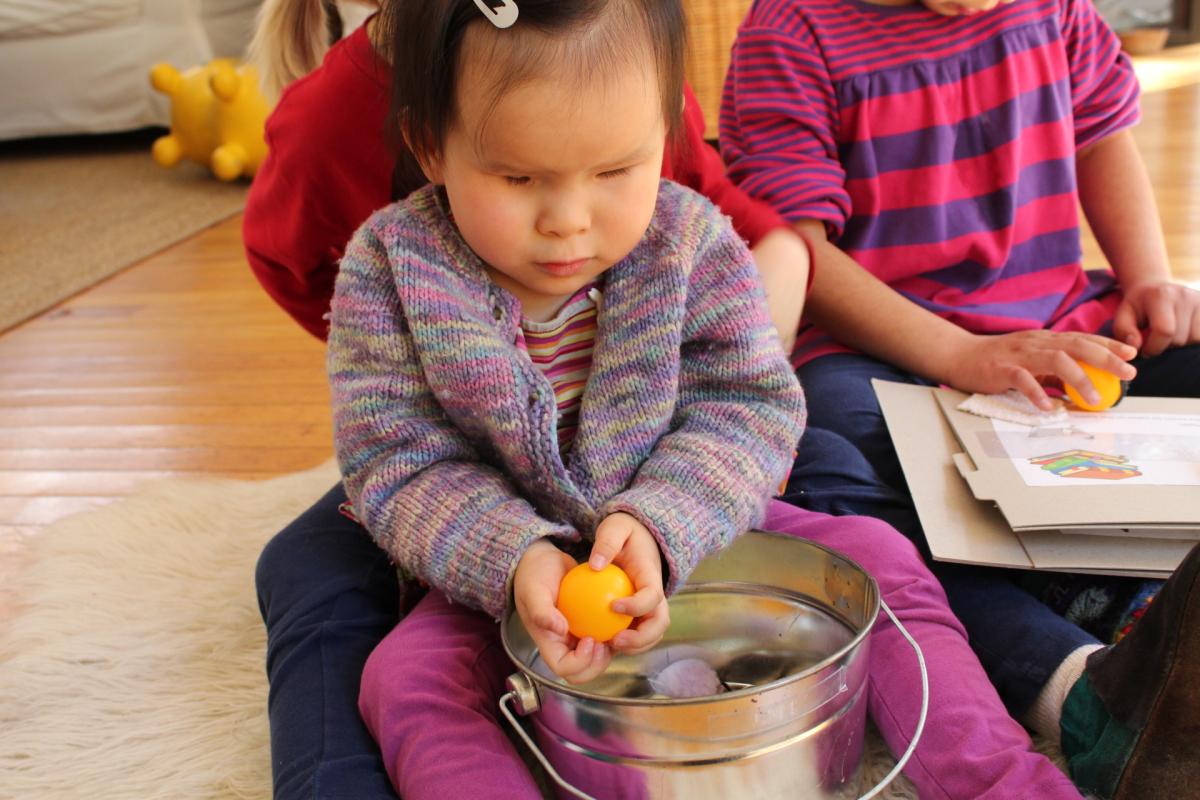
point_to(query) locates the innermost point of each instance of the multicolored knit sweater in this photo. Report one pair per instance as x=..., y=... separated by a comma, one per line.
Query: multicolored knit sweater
x=445, y=430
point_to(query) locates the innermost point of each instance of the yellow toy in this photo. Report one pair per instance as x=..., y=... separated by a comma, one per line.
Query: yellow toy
x=1107, y=385
x=217, y=118
x=585, y=598
x=241, y=117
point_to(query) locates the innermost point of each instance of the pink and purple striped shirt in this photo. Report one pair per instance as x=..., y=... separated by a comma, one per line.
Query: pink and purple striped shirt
x=562, y=349
x=939, y=151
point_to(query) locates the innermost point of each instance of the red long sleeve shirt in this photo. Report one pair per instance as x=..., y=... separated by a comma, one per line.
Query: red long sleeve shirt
x=329, y=166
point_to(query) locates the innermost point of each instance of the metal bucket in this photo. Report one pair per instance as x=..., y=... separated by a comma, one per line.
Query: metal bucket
x=784, y=624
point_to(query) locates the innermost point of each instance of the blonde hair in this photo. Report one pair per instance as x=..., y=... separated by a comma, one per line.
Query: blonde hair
x=290, y=39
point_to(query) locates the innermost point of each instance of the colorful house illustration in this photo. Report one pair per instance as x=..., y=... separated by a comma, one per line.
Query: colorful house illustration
x=1086, y=464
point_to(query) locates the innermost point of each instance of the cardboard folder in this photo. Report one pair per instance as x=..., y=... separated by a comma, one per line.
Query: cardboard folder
x=976, y=509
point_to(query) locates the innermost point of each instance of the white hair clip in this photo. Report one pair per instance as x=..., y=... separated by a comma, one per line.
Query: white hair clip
x=503, y=16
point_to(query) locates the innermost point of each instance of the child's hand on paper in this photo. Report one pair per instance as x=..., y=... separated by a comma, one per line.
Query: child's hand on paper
x=1029, y=360
x=535, y=593
x=624, y=541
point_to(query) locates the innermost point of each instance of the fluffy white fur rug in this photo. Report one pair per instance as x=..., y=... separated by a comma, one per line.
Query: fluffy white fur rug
x=133, y=666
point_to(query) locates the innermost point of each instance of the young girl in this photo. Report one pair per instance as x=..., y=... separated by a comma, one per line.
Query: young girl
x=937, y=154
x=328, y=595
x=548, y=354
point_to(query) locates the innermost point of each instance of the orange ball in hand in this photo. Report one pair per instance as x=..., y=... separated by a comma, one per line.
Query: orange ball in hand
x=585, y=598
x=1108, y=386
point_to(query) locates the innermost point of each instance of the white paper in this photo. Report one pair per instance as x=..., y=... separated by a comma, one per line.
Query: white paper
x=1112, y=448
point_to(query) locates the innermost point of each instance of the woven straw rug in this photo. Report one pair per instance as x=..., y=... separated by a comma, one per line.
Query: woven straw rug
x=75, y=210
x=132, y=666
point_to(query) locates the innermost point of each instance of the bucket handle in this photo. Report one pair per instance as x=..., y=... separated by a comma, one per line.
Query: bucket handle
x=524, y=697
x=916, y=737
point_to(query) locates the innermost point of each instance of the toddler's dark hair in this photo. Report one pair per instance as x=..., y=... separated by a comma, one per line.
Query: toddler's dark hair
x=424, y=38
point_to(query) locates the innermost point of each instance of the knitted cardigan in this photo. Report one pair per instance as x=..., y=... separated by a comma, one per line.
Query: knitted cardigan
x=445, y=430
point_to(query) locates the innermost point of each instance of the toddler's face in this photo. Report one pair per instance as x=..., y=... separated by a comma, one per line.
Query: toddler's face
x=956, y=8
x=558, y=183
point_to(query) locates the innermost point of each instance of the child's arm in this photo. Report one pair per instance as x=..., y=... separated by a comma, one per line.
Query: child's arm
x=738, y=415
x=784, y=262
x=415, y=480
x=860, y=310
x=1115, y=191
x=1117, y=198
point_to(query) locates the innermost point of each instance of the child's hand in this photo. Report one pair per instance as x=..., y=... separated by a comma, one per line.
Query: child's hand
x=535, y=592
x=1028, y=359
x=1168, y=312
x=621, y=539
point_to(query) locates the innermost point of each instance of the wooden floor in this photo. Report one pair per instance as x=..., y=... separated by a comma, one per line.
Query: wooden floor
x=182, y=366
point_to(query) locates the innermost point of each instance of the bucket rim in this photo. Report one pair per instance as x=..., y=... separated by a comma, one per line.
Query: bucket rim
x=542, y=683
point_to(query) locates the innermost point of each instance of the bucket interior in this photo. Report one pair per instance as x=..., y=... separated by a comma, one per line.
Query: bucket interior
x=767, y=609
x=746, y=636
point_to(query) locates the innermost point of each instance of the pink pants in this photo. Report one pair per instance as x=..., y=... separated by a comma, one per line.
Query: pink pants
x=429, y=691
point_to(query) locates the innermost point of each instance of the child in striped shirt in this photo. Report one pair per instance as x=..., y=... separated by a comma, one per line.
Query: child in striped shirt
x=935, y=155
x=545, y=255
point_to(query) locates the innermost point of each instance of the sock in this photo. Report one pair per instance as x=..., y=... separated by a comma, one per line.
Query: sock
x=1045, y=715
x=1096, y=746
x=1105, y=607
x=1136, y=607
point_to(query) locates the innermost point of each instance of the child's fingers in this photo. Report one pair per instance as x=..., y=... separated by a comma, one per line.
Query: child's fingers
x=641, y=602
x=1107, y=354
x=611, y=535
x=1023, y=381
x=536, y=605
x=568, y=664
x=1065, y=364
x=1185, y=321
x=1121, y=350
x=647, y=633
x=549, y=619
x=1069, y=372
x=1059, y=357
x=1125, y=325
x=1159, y=310
x=587, y=661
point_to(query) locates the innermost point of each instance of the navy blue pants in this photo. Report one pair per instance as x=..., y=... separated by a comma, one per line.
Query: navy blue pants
x=847, y=465
x=328, y=596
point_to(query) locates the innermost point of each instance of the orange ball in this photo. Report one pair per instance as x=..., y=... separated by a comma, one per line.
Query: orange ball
x=585, y=598
x=1107, y=385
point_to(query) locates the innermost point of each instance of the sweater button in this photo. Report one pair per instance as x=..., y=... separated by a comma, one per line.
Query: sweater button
x=533, y=399
x=497, y=312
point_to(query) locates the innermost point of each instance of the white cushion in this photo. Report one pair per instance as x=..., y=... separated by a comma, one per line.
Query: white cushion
x=21, y=19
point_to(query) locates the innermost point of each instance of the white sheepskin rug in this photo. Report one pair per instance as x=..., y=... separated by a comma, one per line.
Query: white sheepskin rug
x=131, y=654
x=133, y=667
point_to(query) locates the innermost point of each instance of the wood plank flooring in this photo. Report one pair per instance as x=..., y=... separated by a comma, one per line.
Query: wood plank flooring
x=182, y=366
